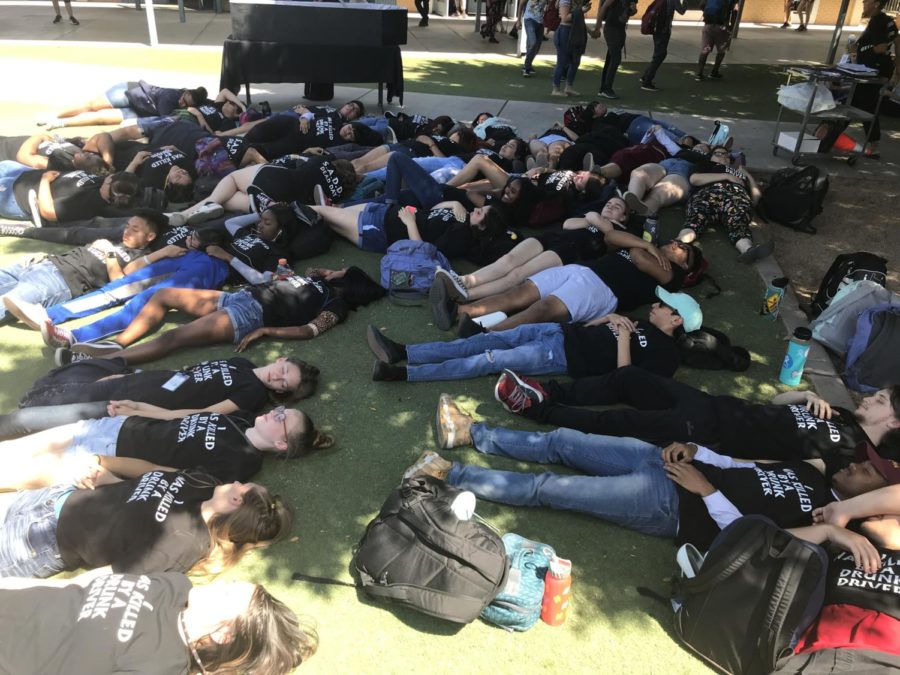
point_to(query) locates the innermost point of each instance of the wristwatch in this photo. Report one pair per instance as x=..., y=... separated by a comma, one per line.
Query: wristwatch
x=110, y=255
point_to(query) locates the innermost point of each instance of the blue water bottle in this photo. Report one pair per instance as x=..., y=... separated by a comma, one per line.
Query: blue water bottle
x=795, y=359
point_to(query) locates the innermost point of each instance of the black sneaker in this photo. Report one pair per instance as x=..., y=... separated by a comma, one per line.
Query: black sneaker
x=383, y=347
x=423, y=23
x=74, y=21
x=699, y=77
x=607, y=93
x=526, y=72
x=58, y=18
x=443, y=309
x=785, y=25
x=648, y=86
x=386, y=372
x=468, y=327
x=63, y=357
x=716, y=75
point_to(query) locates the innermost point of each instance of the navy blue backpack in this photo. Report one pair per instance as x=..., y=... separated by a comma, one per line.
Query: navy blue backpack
x=407, y=269
x=873, y=355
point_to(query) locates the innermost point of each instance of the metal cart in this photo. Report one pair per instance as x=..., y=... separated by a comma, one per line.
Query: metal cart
x=805, y=144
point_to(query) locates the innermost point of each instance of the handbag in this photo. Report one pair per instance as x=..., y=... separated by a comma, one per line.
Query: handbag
x=551, y=15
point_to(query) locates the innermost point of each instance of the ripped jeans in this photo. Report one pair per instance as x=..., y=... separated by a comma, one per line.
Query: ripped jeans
x=531, y=349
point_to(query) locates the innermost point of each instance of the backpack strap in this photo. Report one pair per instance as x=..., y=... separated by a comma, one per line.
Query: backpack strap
x=299, y=576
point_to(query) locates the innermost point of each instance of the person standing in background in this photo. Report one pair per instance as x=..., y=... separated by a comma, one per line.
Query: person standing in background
x=716, y=18
x=422, y=7
x=788, y=8
x=72, y=19
x=803, y=10
x=530, y=16
x=662, y=33
x=614, y=15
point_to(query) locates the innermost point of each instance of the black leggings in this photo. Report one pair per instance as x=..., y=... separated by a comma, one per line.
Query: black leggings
x=77, y=233
x=664, y=410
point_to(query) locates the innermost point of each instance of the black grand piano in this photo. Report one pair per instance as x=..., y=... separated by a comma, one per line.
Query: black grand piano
x=286, y=41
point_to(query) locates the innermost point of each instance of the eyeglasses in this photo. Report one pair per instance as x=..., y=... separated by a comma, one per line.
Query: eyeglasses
x=669, y=307
x=281, y=416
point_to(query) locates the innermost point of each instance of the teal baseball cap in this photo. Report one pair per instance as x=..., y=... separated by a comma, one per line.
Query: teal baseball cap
x=685, y=305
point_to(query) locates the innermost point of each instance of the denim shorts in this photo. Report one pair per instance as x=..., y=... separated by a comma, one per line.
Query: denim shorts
x=148, y=125
x=583, y=293
x=96, y=437
x=117, y=99
x=9, y=174
x=244, y=311
x=677, y=167
x=370, y=226
x=28, y=522
x=401, y=148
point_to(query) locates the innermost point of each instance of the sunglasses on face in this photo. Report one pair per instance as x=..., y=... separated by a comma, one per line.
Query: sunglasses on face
x=281, y=416
x=669, y=307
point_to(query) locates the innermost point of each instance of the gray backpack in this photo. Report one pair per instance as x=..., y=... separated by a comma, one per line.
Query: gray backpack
x=836, y=326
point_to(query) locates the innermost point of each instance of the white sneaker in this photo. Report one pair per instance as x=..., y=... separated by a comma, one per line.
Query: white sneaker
x=319, y=198
x=31, y=314
x=390, y=136
x=207, y=211
x=690, y=560
x=176, y=219
x=96, y=349
x=455, y=286
x=490, y=320
x=35, y=209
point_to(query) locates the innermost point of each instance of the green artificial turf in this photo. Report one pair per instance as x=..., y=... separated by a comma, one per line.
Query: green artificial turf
x=382, y=427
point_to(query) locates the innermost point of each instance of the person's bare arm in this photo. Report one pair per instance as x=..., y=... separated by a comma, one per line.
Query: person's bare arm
x=323, y=322
x=130, y=133
x=137, y=161
x=701, y=179
x=28, y=154
x=141, y=409
x=45, y=198
x=241, y=130
x=432, y=146
x=84, y=579
x=170, y=251
x=103, y=144
x=650, y=265
x=129, y=467
x=408, y=218
x=228, y=95
x=622, y=239
x=755, y=192
x=864, y=553
x=200, y=119
x=885, y=500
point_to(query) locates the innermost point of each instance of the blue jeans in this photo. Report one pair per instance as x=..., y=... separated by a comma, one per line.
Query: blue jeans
x=533, y=349
x=534, y=36
x=9, y=173
x=625, y=482
x=428, y=163
x=26, y=421
x=40, y=283
x=563, y=56
x=402, y=169
x=641, y=123
x=28, y=533
x=193, y=270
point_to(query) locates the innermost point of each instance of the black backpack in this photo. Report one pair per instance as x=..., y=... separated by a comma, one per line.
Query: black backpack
x=794, y=197
x=418, y=553
x=758, y=589
x=845, y=269
x=312, y=236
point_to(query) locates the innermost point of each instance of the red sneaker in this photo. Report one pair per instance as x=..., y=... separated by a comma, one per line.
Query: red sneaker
x=517, y=393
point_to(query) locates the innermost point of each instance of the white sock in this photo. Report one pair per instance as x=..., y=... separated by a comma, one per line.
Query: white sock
x=743, y=245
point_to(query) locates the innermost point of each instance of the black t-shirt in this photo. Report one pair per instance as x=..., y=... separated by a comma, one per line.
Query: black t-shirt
x=154, y=170
x=119, y=623
x=880, y=30
x=144, y=525
x=211, y=441
x=630, y=285
x=593, y=350
x=212, y=115
x=84, y=268
x=558, y=184
x=849, y=585
x=258, y=253
x=183, y=135
x=177, y=236
x=280, y=184
x=786, y=492
x=150, y=100
x=786, y=432
x=60, y=154
x=198, y=386
x=296, y=301
x=495, y=157
x=584, y=243
x=438, y=226
x=75, y=194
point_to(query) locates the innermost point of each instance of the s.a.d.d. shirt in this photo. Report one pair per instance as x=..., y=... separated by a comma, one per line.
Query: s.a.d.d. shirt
x=211, y=441
x=119, y=623
x=143, y=525
x=593, y=350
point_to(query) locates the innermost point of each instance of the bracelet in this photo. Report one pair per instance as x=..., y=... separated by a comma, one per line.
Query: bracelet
x=146, y=259
x=314, y=328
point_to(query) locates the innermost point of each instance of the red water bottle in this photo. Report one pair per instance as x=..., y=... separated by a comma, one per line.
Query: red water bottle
x=557, y=591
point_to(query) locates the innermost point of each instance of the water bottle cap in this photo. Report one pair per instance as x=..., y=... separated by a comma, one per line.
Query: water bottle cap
x=560, y=568
x=802, y=333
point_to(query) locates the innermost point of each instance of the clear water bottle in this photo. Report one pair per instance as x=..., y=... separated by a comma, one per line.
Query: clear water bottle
x=283, y=271
x=795, y=358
